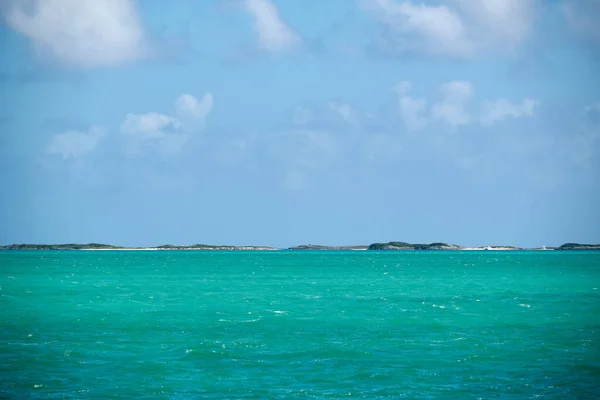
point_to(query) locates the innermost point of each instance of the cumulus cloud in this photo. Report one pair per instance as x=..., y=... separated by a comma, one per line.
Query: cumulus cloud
x=75, y=144
x=86, y=33
x=167, y=134
x=412, y=110
x=498, y=110
x=455, y=96
x=273, y=33
x=188, y=106
x=460, y=28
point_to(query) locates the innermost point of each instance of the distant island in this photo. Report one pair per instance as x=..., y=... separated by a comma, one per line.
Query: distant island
x=321, y=247
x=100, y=246
x=389, y=246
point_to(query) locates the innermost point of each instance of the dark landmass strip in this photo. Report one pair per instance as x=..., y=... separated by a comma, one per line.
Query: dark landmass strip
x=211, y=247
x=578, y=246
x=321, y=247
x=89, y=246
x=375, y=246
x=98, y=246
x=411, y=246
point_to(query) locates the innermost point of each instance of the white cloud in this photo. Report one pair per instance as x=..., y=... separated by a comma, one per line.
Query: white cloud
x=498, y=22
x=149, y=126
x=273, y=34
x=167, y=134
x=457, y=91
x=411, y=109
x=346, y=113
x=75, y=144
x=498, y=110
x=433, y=29
x=455, y=96
x=88, y=33
x=344, y=110
x=188, y=106
x=469, y=27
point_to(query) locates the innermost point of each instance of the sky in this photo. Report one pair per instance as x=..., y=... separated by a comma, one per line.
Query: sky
x=285, y=122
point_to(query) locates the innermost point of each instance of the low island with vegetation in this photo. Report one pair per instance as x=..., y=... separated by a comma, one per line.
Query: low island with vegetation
x=72, y=246
x=324, y=247
x=411, y=246
x=389, y=246
x=578, y=246
x=98, y=246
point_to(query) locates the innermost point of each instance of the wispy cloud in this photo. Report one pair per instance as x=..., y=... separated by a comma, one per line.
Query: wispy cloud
x=452, y=108
x=416, y=27
x=346, y=113
x=412, y=110
x=73, y=144
x=149, y=126
x=498, y=110
x=460, y=28
x=274, y=35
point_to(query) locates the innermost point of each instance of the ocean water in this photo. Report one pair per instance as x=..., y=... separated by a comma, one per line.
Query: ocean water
x=306, y=325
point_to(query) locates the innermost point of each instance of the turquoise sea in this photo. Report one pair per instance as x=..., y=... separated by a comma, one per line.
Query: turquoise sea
x=306, y=325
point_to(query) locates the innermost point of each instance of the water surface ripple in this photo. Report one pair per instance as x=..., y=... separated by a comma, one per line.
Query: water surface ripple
x=364, y=325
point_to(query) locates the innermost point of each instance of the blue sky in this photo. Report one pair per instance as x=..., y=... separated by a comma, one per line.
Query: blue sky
x=281, y=122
